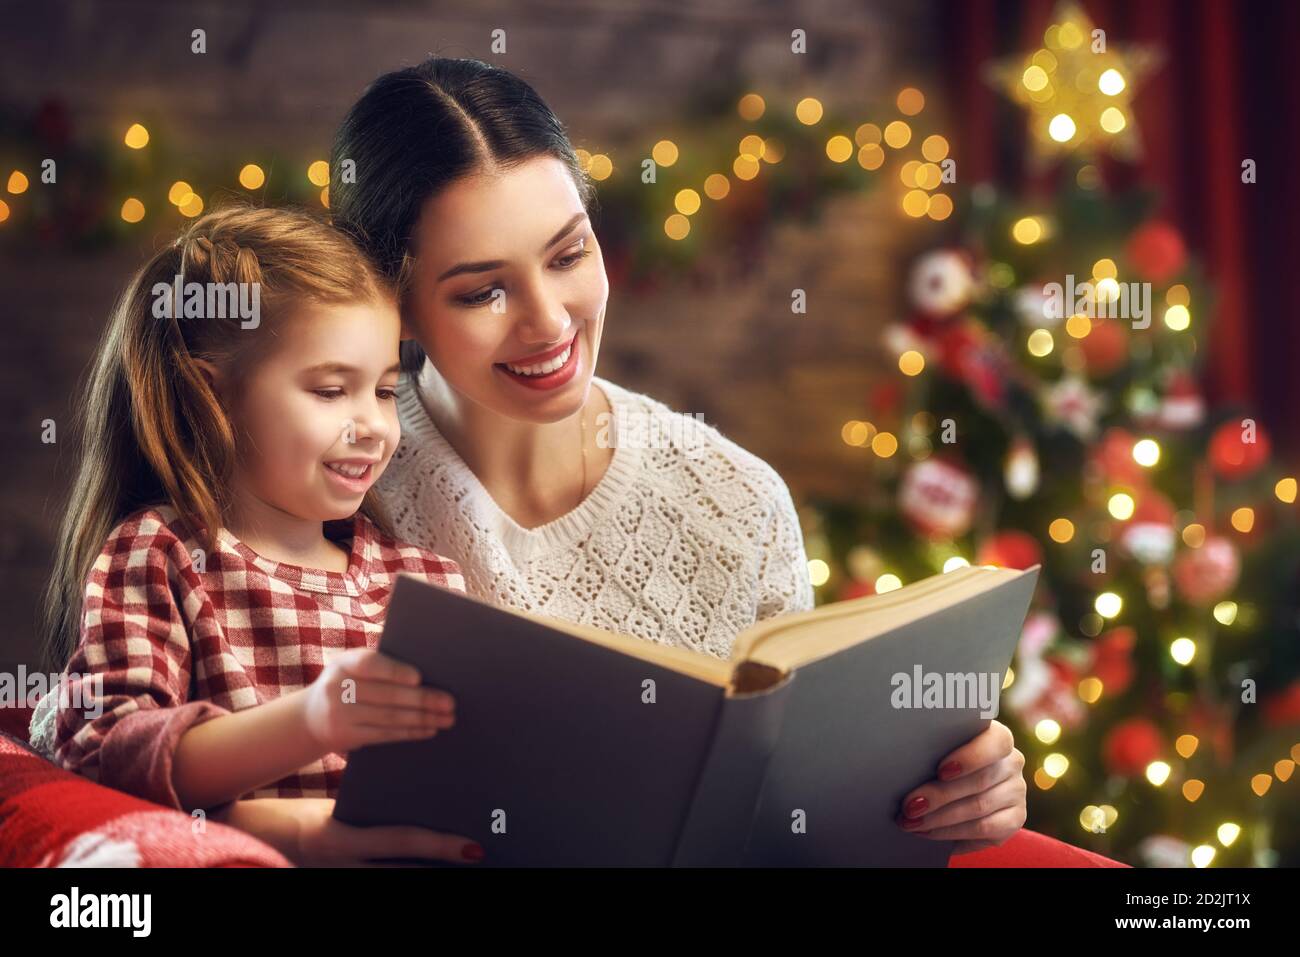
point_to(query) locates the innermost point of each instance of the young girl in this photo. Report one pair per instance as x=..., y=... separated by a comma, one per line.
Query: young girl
x=222, y=575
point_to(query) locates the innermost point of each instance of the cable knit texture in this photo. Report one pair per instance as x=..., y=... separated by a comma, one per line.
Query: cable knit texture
x=686, y=540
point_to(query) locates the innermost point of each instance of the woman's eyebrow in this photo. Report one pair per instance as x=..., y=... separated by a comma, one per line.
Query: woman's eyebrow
x=490, y=264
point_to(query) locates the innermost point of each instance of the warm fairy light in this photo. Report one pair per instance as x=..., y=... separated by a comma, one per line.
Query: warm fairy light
x=1104, y=269
x=4, y=210
x=910, y=101
x=940, y=207
x=1284, y=769
x=1078, y=326
x=1043, y=780
x=907, y=173
x=1061, y=530
x=1093, y=819
x=1228, y=832
x=808, y=110
x=1194, y=535
x=1243, y=519
x=954, y=563
x=1027, y=230
x=871, y=157
x=1158, y=772
x=1056, y=764
x=916, y=202
x=818, y=572
x=1121, y=506
x=1193, y=788
x=1225, y=612
x=1047, y=731
x=888, y=582
x=1112, y=119
x=191, y=205
x=1111, y=82
x=1061, y=128
x=1186, y=745
x=687, y=201
x=752, y=145
x=133, y=210
x=928, y=176
x=884, y=444
x=1107, y=289
x=1285, y=490
x=1009, y=679
x=1108, y=604
x=911, y=362
x=251, y=176
x=839, y=148
x=745, y=166
x=1040, y=343
x=1090, y=690
x=856, y=433
x=137, y=137
x=318, y=173
x=934, y=148
x=867, y=133
x=600, y=167
x=1178, y=318
x=677, y=226
x=1177, y=295
x=17, y=182
x=1260, y=784
x=898, y=134
x=584, y=158
x=325, y=197
x=664, y=153
x=1182, y=650
x=1146, y=452
x=1202, y=856
x=717, y=186
x=1034, y=78
x=751, y=107
x=179, y=192
x=772, y=150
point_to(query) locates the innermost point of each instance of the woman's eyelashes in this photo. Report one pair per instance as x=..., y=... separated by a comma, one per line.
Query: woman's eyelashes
x=565, y=262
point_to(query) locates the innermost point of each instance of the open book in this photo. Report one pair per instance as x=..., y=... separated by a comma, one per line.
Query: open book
x=577, y=746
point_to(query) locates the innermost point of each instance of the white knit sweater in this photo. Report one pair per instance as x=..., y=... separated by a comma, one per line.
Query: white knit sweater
x=686, y=540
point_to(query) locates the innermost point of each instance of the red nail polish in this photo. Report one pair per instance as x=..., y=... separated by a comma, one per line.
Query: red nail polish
x=916, y=807
x=909, y=823
x=949, y=771
x=472, y=852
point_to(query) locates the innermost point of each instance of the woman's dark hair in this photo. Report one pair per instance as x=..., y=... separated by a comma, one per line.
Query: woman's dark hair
x=417, y=130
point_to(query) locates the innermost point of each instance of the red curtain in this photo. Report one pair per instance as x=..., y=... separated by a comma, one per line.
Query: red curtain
x=1228, y=90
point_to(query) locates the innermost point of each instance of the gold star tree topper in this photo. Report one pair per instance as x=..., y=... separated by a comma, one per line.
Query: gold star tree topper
x=1077, y=88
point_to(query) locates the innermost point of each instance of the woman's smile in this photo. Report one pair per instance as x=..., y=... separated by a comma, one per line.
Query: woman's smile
x=550, y=370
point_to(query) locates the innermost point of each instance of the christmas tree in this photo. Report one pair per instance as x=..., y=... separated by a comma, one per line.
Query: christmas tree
x=1047, y=410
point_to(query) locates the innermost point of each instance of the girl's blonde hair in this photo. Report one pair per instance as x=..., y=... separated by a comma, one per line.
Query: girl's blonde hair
x=151, y=428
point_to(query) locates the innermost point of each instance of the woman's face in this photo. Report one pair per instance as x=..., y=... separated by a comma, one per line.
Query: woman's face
x=508, y=292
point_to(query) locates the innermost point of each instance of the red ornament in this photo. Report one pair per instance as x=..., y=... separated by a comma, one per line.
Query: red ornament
x=1130, y=746
x=1112, y=659
x=1157, y=251
x=1114, y=457
x=855, y=589
x=1237, y=450
x=1010, y=549
x=1148, y=535
x=1105, y=347
x=1204, y=575
x=1283, y=708
x=938, y=498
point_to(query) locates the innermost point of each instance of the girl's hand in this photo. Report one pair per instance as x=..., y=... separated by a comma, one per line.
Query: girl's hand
x=979, y=798
x=365, y=697
x=306, y=831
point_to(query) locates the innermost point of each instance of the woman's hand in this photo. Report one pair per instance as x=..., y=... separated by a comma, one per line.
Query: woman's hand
x=979, y=798
x=306, y=832
x=365, y=697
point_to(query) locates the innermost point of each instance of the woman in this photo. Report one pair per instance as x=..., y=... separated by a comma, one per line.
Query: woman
x=582, y=503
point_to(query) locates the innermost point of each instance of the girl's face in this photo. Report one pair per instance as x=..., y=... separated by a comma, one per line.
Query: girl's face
x=509, y=290
x=316, y=418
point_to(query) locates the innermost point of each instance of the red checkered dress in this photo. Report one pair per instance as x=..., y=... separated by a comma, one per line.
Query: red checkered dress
x=181, y=637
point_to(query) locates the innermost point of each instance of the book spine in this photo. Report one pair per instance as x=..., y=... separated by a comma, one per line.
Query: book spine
x=721, y=814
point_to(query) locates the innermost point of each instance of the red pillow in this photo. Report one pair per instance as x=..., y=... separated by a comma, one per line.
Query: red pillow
x=54, y=818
